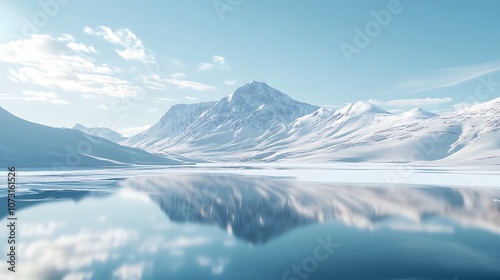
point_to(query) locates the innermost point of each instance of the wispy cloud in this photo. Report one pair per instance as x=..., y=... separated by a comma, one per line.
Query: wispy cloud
x=40, y=229
x=218, y=62
x=164, y=100
x=205, y=66
x=190, y=98
x=177, y=75
x=71, y=252
x=157, y=82
x=133, y=48
x=36, y=96
x=129, y=271
x=153, y=81
x=131, y=131
x=448, y=77
x=79, y=47
x=230, y=82
x=103, y=107
x=184, y=84
x=414, y=102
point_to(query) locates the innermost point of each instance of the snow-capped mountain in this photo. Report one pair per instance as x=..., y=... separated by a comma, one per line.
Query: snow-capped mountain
x=177, y=119
x=27, y=144
x=102, y=132
x=259, y=123
x=479, y=137
x=235, y=122
x=372, y=134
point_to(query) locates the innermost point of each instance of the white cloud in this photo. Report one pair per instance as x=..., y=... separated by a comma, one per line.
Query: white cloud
x=184, y=84
x=156, y=82
x=78, y=276
x=217, y=266
x=35, y=96
x=152, y=110
x=177, y=246
x=153, y=81
x=165, y=100
x=40, y=229
x=103, y=107
x=133, y=48
x=70, y=254
x=91, y=96
x=190, y=98
x=39, y=96
x=230, y=82
x=65, y=37
x=177, y=75
x=79, y=47
x=205, y=66
x=131, y=131
x=415, y=102
x=449, y=77
x=129, y=271
x=62, y=102
x=132, y=195
x=217, y=61
x=47, y=61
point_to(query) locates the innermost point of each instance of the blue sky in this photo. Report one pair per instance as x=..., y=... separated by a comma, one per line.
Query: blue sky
x=122, y=64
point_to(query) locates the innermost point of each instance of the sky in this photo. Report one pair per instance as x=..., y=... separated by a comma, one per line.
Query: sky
x=122, y=64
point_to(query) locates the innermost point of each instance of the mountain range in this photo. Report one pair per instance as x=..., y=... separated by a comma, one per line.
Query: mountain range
x=257, y=123
x=26, y=144
x=102, y=132
x=260, y=123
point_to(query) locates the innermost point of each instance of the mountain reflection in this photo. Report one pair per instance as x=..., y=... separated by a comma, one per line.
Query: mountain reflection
x=257, y=209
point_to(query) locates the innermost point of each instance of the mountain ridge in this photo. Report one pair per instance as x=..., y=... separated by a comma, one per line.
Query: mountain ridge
x=36, y=145
x=259, y=123
x=102, y=132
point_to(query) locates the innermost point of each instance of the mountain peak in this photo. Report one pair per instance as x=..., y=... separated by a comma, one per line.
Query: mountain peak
x=420, y=113
x=79, y=126
x=257, y=84
x=362, y=107
x=257, y=90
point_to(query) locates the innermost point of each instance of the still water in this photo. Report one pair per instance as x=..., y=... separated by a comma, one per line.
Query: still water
x=221, y=226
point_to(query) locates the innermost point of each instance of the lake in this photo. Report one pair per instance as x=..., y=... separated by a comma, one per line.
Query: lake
x=197, y=224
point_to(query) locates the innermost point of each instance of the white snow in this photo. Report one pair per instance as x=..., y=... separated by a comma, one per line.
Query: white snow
x=25, y=144
x=102, y=132
x=259, y=123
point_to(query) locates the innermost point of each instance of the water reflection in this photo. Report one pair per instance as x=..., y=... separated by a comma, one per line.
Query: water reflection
x=258, y=209
x=218, y=226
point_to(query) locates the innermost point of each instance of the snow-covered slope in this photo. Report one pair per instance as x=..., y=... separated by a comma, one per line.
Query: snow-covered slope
x=177, y=119
x=372, y=134
x=479, y=139
x=259, y=123
x=103, y=132
x=26, y=144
